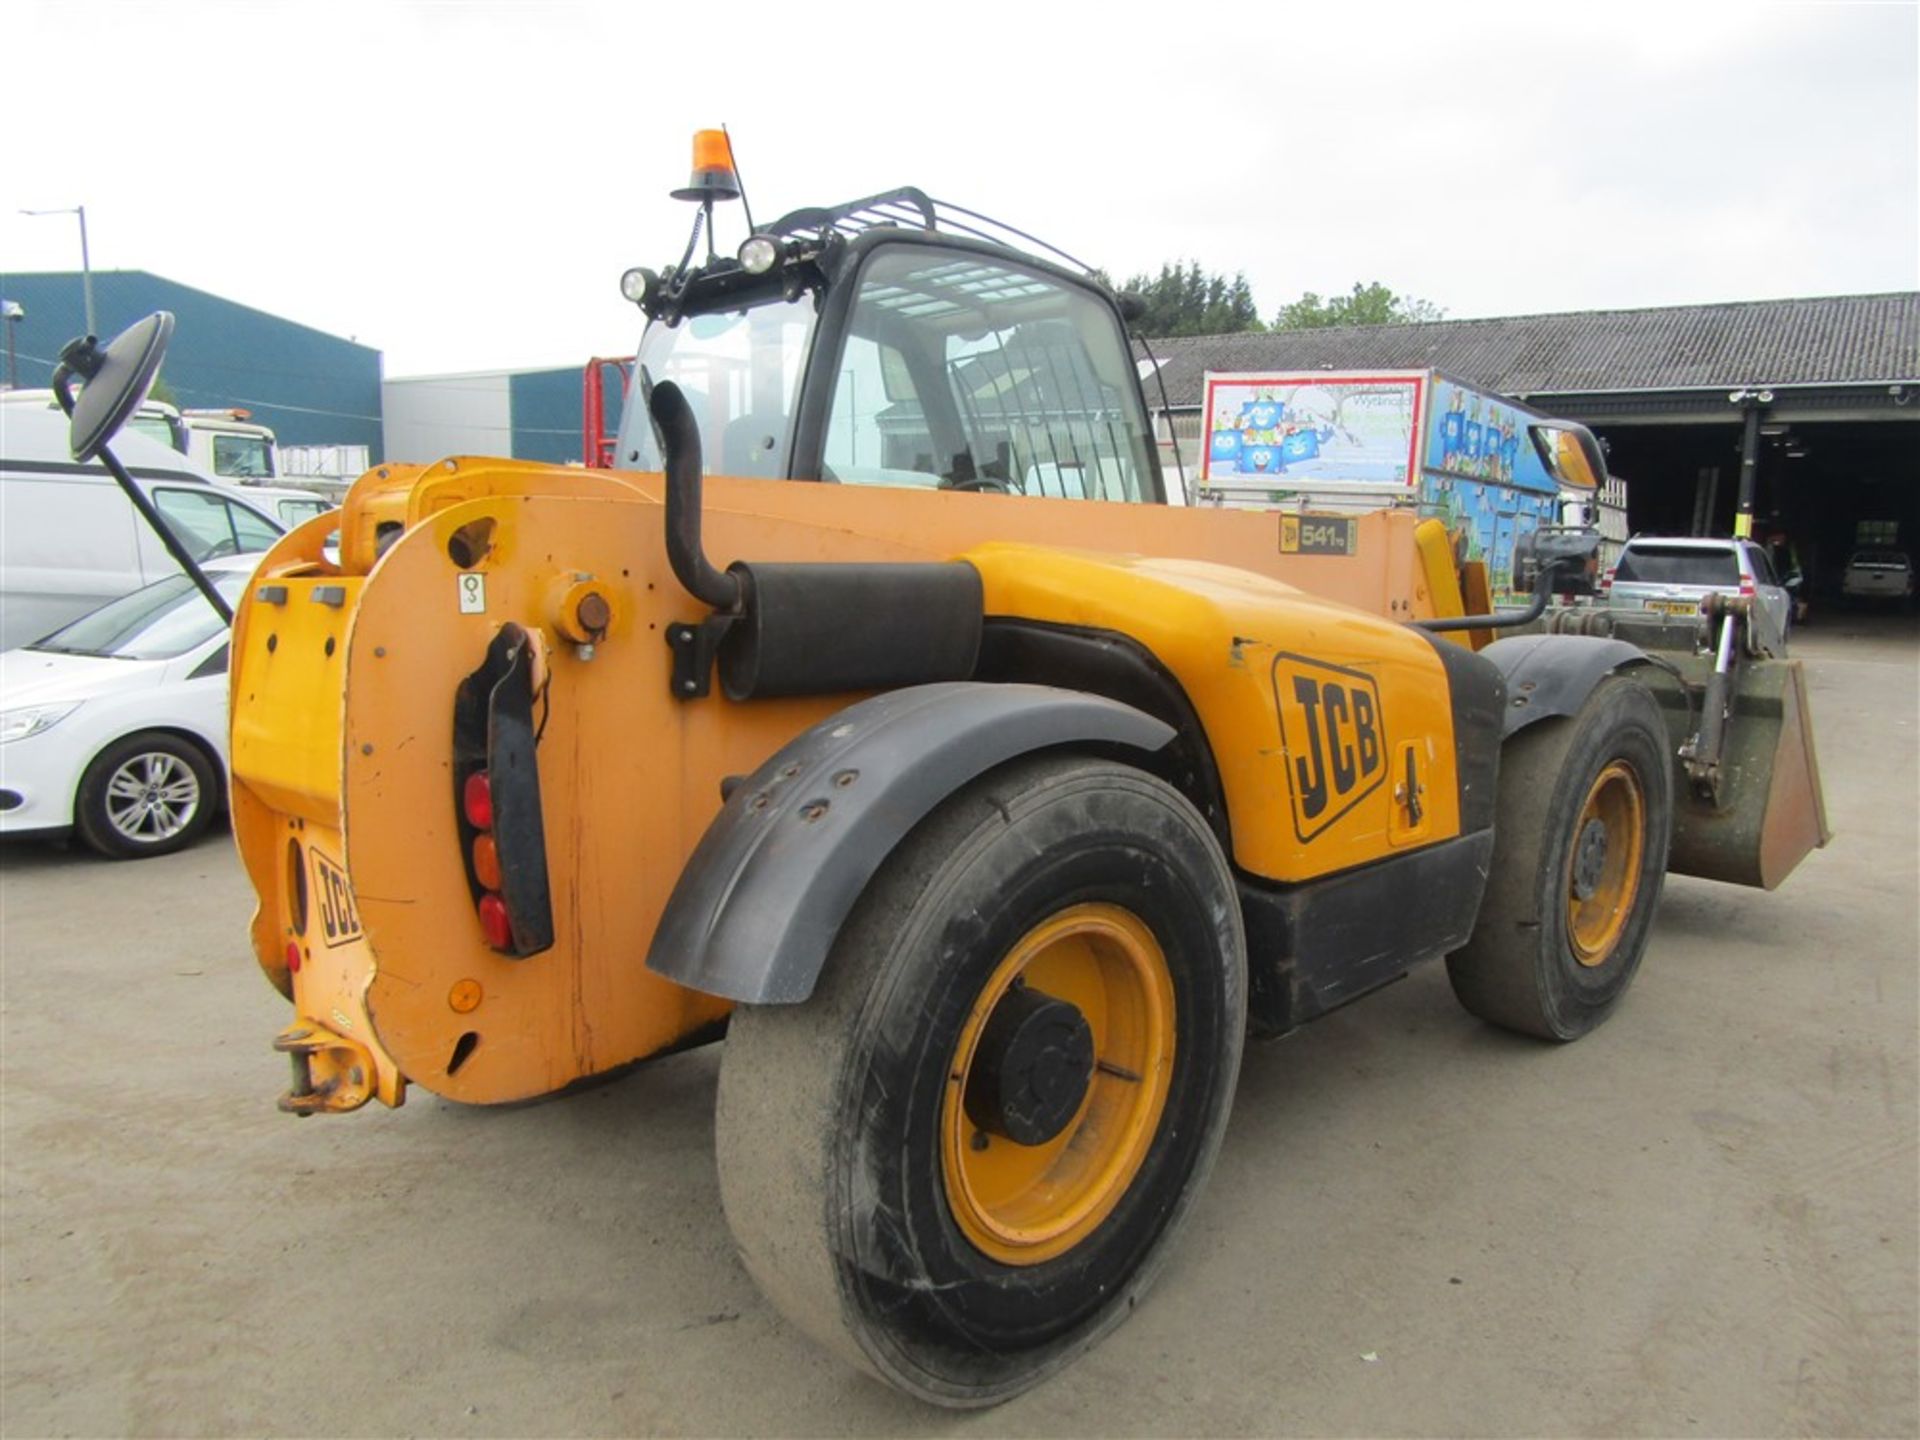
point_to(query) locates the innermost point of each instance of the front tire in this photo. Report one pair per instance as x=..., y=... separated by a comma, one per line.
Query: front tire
x=1583, y=814
x=960, y=1163
x=146, y=795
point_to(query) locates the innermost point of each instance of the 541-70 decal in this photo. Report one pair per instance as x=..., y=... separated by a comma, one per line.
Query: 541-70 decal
x=1334, y=736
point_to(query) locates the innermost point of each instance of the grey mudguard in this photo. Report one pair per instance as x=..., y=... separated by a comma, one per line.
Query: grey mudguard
x=1550, y=675
x=769, y=885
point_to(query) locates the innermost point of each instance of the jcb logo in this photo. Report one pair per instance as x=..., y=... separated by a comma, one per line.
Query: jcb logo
x=1333, y=737
x=339, y=922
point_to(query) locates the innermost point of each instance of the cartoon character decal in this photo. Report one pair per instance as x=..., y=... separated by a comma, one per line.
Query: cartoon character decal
x=1332, y=430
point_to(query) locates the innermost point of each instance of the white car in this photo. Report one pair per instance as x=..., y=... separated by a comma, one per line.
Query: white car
x=1878, y=575
x=115, y=725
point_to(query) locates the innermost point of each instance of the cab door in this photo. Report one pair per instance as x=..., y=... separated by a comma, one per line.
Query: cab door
x=956, y=367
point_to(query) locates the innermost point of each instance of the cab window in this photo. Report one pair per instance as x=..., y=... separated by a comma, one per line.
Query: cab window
x=295, y=512
x=210, y=525
x=968, y=372
x=740, y=371
x=156, y=427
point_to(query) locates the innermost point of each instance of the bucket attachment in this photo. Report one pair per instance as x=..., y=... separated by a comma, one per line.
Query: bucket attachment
x=1764, y=811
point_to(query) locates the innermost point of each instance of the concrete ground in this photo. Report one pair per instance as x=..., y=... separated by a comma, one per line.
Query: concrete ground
x=1699, y=1221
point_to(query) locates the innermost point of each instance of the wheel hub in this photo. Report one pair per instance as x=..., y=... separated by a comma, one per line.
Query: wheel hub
x=1590, y=859
x=1031, y=1071
x=1057, y=1083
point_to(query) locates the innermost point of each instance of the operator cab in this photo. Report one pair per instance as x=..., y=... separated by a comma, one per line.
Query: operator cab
x=899, y=342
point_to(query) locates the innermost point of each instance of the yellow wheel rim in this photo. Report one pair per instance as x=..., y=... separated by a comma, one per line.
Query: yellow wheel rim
x=1603, y=872
x=1024, y=1204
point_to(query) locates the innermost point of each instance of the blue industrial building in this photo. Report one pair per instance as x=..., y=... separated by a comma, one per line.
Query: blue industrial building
x=310, y=387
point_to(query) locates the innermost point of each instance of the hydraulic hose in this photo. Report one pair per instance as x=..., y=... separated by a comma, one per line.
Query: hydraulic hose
x=1500, y=619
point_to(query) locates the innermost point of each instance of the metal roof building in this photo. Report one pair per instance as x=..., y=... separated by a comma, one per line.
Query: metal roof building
x=1854, y=343
x=1836, y=379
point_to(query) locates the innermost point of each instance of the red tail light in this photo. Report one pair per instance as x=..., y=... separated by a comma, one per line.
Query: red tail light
x=496, y=795
x=476, y=798
x=293, y=958
x=1746, y=585
x=494, y=921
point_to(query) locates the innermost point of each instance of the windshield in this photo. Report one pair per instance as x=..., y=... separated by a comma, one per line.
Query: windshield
x=740, y=370
x=165, y=619
x=246, y=457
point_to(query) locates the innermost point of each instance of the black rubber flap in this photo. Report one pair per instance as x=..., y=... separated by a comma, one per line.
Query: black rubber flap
x=115, y=390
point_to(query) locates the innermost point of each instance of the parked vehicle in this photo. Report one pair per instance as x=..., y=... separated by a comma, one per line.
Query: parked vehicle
x=115, y=725
x=1671, y=576
x=288, y=504
x=1878, y=575
x=1320, y=442
x=224, y=442
x=69, y=539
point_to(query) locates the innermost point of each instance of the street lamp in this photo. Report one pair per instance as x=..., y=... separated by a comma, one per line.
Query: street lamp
x=12, y=311
x=86, y=266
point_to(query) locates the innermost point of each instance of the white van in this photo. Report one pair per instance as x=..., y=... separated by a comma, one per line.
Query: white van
x=70, y=540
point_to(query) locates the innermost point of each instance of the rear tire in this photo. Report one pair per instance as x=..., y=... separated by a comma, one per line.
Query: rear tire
x=1583, y=815
x=872, y=1207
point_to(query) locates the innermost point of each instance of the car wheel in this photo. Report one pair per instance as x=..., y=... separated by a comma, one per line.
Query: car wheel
x=1583, y=815
x=146, y=795
x=959, y=1164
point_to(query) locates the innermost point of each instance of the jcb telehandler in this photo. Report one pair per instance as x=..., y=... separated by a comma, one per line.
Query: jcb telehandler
x=984, y=800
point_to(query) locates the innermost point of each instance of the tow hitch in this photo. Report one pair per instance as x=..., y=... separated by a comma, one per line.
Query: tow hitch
x=330, y=1072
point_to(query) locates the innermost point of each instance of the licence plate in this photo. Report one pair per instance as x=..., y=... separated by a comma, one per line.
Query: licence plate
x=1674, y=607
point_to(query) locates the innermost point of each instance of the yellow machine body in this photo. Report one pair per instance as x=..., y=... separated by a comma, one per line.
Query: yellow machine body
x=342, y=760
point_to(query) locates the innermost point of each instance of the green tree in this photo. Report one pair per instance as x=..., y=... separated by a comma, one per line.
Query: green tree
x=1183, y=299
x=1371, y=304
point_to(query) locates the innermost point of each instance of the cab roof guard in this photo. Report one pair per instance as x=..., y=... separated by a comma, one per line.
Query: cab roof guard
x=912, y=207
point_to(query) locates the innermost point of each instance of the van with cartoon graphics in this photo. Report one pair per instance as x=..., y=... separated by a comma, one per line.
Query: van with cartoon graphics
x=1341, y=443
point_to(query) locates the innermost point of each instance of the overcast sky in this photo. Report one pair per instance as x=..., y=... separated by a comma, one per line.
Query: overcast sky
x=461, y=184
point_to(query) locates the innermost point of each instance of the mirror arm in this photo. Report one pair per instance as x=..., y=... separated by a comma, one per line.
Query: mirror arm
x=82, y=357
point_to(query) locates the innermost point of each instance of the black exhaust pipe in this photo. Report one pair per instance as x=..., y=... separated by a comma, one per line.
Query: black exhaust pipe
x=679, y=436
x=804, y=629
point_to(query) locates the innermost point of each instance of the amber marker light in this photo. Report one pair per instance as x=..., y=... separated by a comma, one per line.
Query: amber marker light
x=486, y=862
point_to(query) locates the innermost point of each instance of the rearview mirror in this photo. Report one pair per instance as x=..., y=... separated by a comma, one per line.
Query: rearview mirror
x=1570, y=452
x=113, y=381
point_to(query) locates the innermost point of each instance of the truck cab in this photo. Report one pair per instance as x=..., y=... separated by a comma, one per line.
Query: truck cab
x=224, y=442
x=943, y=363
